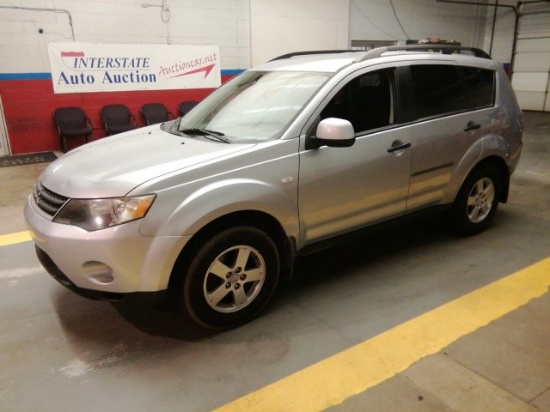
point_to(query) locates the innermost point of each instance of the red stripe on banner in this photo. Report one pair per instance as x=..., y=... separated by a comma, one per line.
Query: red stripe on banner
x=72, y=54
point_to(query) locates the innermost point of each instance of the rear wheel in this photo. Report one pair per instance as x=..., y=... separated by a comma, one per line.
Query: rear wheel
x=477, y=201
x=231, y=278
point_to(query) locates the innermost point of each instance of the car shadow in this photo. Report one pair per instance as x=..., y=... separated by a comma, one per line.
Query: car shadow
x=376, y=246
x=93, y=319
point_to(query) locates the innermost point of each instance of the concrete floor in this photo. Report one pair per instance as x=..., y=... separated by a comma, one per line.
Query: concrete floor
x=59, y=351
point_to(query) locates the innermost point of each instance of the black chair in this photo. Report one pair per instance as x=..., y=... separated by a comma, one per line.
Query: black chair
x=186, y=107
x=155, y=113
x=117, y=119
x=72, y=122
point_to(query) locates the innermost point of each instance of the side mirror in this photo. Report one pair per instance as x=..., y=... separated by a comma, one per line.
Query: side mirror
x=332, y=132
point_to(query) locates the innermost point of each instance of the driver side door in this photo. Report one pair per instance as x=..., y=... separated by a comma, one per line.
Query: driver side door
x=344, y=189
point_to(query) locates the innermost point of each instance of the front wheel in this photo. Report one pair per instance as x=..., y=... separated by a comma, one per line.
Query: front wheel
x=476, y=202
x=231, y=278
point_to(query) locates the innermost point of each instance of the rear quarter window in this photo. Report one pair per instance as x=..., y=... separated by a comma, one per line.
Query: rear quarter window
x=481, y=86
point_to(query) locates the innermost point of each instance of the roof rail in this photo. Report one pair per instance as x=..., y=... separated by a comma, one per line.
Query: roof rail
x=379, y=51
x=310, y=52
x=445, y=49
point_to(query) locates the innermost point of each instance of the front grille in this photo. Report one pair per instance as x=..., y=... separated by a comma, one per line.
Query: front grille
x=47, y=200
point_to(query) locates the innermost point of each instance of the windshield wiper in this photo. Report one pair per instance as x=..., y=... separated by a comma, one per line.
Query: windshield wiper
x=218, y=136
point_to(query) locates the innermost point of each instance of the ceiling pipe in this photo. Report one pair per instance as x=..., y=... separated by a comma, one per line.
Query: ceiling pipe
x=496, y=5
x=493, y=28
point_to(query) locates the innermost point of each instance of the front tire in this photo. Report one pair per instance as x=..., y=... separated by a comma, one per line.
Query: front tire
x=231, y=278
x=476, y=202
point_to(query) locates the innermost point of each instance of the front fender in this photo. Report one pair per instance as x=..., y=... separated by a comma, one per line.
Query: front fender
x=212, y=201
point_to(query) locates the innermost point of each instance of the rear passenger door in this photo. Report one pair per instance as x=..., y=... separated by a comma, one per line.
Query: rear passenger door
x=452, y=110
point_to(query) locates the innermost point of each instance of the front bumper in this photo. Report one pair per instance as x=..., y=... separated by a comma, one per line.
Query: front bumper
x=148, y=298
x=104, y=264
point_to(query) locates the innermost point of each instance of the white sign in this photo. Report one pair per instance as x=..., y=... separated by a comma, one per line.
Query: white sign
x=92, y=67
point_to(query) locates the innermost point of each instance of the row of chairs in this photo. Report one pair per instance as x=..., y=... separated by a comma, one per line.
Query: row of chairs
x=116, y=118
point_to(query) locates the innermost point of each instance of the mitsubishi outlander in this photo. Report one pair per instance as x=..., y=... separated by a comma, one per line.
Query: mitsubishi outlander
x=210, y=210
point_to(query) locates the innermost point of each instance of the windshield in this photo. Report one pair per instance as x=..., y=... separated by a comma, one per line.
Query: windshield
x=255, y=106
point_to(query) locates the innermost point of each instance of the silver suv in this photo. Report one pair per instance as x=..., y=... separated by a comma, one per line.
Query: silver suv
x=209, y=211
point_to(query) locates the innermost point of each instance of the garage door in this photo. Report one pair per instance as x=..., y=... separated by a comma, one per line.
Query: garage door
x=531, y=77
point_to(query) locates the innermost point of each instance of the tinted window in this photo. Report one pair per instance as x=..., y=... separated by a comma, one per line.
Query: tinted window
x=366, y=101
x=481, y=84
x=438, y=90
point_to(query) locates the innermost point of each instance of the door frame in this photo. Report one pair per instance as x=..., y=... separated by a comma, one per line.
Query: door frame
x=5, y=149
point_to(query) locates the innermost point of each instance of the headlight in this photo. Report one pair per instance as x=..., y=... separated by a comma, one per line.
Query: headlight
x=96, y=214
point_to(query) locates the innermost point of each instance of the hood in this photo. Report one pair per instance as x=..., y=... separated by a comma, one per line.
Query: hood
x=115, y=165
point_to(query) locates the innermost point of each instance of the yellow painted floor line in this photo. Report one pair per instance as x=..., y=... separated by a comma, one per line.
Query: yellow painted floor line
x=15, y=238
x=333, y=380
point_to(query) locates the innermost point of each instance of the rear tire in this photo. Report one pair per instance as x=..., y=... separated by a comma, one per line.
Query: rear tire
x=230, y=279
x=477, y=201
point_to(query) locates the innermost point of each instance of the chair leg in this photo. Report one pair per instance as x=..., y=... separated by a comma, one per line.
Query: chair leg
x=63, y=144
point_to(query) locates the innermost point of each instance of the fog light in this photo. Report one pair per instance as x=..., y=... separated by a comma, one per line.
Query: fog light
x=98, y=272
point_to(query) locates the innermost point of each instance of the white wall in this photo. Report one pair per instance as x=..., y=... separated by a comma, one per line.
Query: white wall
x=249, y=32
x=284, y=26
x=22, y=48
x=400, y=20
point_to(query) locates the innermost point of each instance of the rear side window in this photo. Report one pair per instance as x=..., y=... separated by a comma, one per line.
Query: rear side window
x=481, y=84
x=438, y=90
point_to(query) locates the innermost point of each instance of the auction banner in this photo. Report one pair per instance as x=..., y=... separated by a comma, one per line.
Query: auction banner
x=93, y=67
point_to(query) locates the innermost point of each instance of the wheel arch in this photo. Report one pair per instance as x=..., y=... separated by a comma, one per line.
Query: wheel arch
x=253, y=218
x=501, y=167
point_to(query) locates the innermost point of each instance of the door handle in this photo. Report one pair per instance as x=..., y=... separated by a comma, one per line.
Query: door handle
x=399, y=146
x=472, y=126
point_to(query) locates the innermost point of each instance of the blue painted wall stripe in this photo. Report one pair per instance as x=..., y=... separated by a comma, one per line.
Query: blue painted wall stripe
x=25, y=76
x=232, y=72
